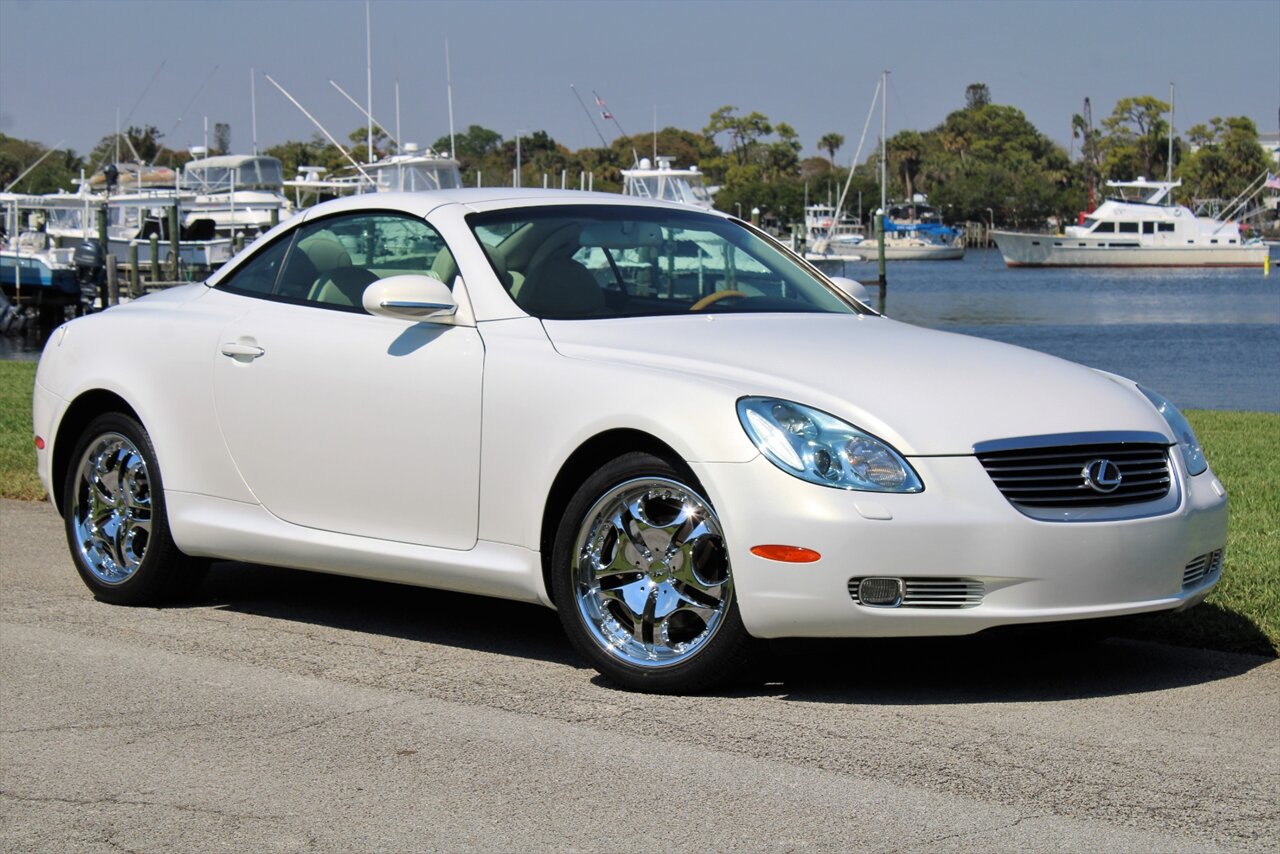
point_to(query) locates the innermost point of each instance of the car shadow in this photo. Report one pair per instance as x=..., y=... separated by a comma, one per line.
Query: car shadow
x=1032, y=663
x=1017, y=664
x=417, y=614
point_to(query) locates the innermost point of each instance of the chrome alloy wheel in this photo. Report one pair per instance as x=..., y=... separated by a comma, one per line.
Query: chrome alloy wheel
x=651, y=573
x=111, y=508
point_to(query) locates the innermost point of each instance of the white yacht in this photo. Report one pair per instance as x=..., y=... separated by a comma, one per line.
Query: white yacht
x=132, y=218
x=1147, y=231
x=666, y=183
x=233, y=193
x=410, y=171
x=828, y=237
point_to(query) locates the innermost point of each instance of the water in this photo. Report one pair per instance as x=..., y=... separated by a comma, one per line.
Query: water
x=1206, y=339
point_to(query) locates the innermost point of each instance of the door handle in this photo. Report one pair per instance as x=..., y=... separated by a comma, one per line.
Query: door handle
x=236, y=350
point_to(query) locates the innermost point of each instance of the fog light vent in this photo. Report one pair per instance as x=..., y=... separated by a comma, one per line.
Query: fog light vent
x=917, y=592
x=1202, y=569
x=880, y=592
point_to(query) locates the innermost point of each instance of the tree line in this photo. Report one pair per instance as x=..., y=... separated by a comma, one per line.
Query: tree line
x=984, y=161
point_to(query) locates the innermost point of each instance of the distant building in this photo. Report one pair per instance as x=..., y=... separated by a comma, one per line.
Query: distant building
x=1271, y=142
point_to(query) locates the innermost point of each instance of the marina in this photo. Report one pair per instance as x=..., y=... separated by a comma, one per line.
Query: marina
x=1208, y=338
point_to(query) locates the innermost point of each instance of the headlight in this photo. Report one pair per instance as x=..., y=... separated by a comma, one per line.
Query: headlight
x=1192, y=452
x=820, y=448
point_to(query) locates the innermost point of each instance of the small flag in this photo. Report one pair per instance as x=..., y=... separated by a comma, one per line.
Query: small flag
x=604, y=108
x=1273, y=183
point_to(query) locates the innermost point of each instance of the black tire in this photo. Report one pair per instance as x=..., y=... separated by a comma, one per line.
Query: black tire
x=118, y=532
x=716, y=648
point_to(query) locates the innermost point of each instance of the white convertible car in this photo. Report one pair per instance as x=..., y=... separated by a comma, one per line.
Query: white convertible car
x=655, y=419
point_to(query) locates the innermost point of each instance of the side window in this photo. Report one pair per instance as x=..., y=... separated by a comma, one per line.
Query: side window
x=257, y=276
x=335, y=259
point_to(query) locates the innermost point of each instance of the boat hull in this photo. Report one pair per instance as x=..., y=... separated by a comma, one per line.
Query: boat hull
x=1053, y=250
x=923, y=253
x=32, y=278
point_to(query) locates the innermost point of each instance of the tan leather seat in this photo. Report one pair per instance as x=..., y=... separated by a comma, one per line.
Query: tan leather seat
x=561, y=287
x=343, y=286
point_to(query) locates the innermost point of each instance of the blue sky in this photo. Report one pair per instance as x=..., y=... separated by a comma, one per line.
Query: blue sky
x=66, y=67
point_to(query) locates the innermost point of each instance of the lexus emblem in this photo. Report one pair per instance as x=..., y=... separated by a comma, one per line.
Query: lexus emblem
x=1102, y=476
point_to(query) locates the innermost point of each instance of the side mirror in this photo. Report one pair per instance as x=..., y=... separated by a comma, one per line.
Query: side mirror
x=411, y=297
x=851, y=287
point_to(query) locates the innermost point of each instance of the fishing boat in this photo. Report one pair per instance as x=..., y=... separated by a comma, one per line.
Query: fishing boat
x=914, y=231
x=411, y=171
x=34, y=271
x=1147, y=230
x=132, y=219
x=825, y=233
x=233, y=194
x=665, y=182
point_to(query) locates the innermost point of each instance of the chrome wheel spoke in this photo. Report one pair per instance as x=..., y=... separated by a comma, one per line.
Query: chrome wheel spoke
x=136, y=488
x=630, y=522
x=653, y=579
x=111, y=509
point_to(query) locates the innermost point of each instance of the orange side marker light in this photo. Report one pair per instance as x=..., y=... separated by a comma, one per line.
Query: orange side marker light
x=786, y=554
x=39, y=443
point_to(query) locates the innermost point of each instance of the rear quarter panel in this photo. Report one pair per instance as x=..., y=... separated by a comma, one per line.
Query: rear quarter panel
x=157, y=355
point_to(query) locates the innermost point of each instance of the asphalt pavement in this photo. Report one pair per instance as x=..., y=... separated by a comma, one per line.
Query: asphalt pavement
x=290, y=711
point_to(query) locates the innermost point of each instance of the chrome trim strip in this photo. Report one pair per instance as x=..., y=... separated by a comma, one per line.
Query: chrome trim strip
x=1101, y=437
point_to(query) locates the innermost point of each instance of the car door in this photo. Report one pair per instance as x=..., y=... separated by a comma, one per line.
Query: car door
x=340, y=420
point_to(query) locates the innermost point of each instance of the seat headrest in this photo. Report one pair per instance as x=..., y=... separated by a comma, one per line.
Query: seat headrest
x=444, y=267
x=325, y=251
x=561, y=287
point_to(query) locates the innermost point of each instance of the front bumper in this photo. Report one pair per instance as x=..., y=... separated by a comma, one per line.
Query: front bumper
x=46, y=412
x=959, y=527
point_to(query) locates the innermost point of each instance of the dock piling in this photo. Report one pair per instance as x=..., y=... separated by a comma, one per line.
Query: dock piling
x=155, y=257
x=173, y=242
x=135, y=287
x=113, y=282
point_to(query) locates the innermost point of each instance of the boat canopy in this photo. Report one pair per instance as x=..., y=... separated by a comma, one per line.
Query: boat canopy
x=666, y=183
x=241, y=172
x=1148, y=192
x=412, y=174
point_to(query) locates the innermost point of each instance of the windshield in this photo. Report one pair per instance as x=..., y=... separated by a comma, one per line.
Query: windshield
x=579, y=261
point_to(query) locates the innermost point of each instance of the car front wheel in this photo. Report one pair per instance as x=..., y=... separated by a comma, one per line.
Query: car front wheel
x=115, y=518
x=642, y=579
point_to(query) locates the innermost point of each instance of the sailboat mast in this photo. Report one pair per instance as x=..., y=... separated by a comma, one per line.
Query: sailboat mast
x=253, y=107
x=448, y=79
x=368, y=72
x=1169, y=169
x=884, y=129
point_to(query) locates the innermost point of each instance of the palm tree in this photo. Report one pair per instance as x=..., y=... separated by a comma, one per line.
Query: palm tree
x=831, y=143
x=907, y=147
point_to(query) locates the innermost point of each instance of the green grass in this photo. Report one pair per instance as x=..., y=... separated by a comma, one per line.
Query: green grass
x=1241, y=615
x=17, y=453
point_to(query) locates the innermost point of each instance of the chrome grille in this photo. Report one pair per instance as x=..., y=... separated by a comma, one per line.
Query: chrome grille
x=1202, y=569
x=1054, y=476
x=933, y=592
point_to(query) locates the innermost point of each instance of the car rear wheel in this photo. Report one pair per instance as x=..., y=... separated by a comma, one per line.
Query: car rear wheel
x=642, y=579
x=115, y=518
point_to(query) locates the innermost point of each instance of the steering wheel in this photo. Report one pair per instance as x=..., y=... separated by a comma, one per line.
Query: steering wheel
x=710, y=299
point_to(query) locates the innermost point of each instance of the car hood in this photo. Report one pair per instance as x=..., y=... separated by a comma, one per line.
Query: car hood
x=926, y=392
